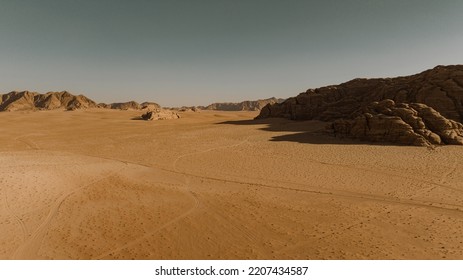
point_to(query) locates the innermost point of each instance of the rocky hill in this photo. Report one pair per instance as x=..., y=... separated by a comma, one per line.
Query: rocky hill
x=150, y=106
x=26, y=100
x=243, y=106
x=351, y=106
x=130, y=105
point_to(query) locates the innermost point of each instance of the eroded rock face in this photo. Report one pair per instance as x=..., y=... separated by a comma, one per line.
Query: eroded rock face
x=26, y=100
x=160, y=114
x=130, y=105
x=440, y=88
x=408, y=124
x=150, y=106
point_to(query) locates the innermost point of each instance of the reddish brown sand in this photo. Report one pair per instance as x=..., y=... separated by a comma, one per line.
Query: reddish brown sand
x=97, y=185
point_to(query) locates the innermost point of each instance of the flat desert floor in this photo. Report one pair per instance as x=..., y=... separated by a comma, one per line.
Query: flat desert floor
x=96, y=184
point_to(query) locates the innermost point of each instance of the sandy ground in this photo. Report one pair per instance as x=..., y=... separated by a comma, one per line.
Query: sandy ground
x=214, y=185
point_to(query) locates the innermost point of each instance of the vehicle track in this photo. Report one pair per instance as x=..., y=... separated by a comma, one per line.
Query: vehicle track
x=187, y=183
x=32, y=244
x=16, y=217
x=31, y=144
x=150, y=233
x=347, y=194
x=206, y=151
x=316, y=190
x=432, y=205
x=450, y=172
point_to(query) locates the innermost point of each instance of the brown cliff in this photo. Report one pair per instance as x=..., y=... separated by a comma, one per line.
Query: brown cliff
x=440, y=88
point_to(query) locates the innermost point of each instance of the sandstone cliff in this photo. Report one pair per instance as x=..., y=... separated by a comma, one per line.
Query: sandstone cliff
x=440, y=88
x=423, y=109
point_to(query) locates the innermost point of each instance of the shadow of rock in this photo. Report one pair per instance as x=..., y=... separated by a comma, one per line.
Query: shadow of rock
x=306, y=132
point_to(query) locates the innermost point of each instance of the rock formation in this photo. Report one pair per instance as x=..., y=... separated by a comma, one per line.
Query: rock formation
x=440, y=88
x=26, y=100
x=189, y=109
x=150, y=106
x=243, y=106
x=130, y=105
x=409, y=124
x=422, y=109
x=160, y=114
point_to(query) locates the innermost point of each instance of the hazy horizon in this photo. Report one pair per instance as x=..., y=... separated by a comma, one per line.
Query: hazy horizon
x=196, y=53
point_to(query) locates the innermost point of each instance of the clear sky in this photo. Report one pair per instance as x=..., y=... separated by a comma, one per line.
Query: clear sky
x=195, y=52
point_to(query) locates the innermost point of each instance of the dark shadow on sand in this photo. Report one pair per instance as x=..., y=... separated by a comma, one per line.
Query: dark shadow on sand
x=137, y=118
x=306, y=132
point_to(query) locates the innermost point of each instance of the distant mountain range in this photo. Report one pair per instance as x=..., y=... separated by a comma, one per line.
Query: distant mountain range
x=255, y=105
x=28, y=100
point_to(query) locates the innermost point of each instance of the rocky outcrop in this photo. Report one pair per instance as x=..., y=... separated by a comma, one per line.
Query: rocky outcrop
x=440, y=88
x=26, y=100
x=243, y=106
x=17, y=101
x=189, y=109
x=130, y=105
x=409, y=124
x=160, y=114
x=104, y=106
x=150, y=106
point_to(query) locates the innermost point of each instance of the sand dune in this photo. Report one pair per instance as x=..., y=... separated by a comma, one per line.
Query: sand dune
x=96, y=184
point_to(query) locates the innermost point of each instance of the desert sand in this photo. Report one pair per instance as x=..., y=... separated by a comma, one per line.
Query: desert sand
x=95, y=184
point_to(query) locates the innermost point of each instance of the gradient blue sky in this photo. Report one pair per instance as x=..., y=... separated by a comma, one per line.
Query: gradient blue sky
x=195, y=52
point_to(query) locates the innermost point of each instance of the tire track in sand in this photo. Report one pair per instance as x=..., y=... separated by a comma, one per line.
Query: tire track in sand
x=196, y=205
x=163, y=226
x=315, y=190
x=16, y=217
x=449, y=172
x=30, y=247
x=31, y=144
x=340, y=193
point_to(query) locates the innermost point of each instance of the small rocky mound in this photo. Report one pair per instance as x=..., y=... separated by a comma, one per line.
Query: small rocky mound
x=409, y=124
x=160, y=114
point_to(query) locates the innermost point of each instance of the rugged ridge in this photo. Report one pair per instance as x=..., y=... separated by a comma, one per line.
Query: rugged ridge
x=440, y=88
x=255, y=105
x=26, y=100
x=423, y=109
x=129, y=105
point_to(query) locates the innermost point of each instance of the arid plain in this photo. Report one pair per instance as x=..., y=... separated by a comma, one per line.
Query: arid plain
x=96, y=184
